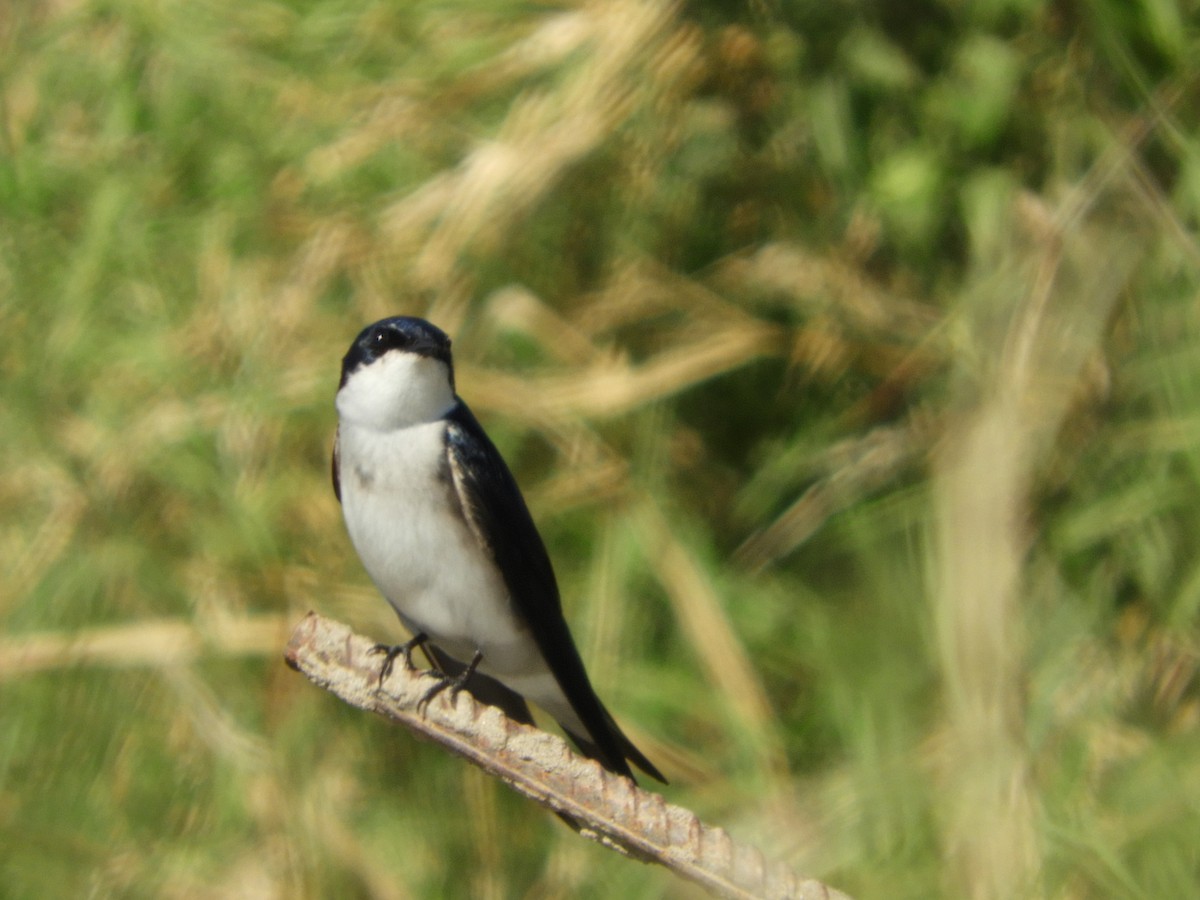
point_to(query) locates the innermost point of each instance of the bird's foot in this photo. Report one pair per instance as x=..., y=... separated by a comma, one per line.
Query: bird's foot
x=455, y=684
x=389, y=652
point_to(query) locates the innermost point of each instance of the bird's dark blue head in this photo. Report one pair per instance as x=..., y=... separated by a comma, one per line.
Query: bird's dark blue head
x=405, y=333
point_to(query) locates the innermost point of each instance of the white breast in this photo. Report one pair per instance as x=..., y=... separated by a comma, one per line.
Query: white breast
x=419, y=552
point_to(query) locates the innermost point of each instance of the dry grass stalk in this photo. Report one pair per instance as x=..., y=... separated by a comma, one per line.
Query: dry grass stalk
x=607, y=808
x=150, y=642
x=615, y=386
x=1057, y=300
x=863, y=465
x=720, y=650
x=543, y=135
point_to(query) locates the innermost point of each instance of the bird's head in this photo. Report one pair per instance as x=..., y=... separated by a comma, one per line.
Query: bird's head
x=398, y=372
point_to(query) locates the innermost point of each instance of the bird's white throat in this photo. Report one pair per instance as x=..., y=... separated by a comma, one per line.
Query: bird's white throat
x=397, y=390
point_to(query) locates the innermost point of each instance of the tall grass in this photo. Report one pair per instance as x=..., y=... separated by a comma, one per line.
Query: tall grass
x=848, y=356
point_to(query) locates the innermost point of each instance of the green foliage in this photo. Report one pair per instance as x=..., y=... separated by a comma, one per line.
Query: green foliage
x=744, y=293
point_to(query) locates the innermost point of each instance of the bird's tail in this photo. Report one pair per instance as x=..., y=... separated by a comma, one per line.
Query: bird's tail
x=489, y=691
x=628, y=750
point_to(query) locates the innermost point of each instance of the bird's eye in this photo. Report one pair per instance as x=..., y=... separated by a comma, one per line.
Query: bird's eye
x=385, y=339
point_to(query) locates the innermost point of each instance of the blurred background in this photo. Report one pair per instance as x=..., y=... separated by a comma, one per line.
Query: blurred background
x=848, y=354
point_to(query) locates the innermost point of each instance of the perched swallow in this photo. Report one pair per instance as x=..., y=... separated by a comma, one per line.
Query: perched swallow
x=442, y=529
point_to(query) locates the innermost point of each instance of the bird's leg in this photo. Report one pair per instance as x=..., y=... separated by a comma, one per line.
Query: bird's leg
x=390, y=652
x=456, y=684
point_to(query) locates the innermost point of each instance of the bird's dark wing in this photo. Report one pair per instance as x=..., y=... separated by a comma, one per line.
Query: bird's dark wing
x=337, y=481
x=493, y=506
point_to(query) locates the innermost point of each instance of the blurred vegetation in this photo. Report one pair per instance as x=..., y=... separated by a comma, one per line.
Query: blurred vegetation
x=849, y=354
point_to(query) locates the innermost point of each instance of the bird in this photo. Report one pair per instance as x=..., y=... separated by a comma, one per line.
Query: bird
x=443, y=531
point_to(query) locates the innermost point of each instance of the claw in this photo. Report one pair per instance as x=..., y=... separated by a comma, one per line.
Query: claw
x=455, y=684
x=390, y=652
